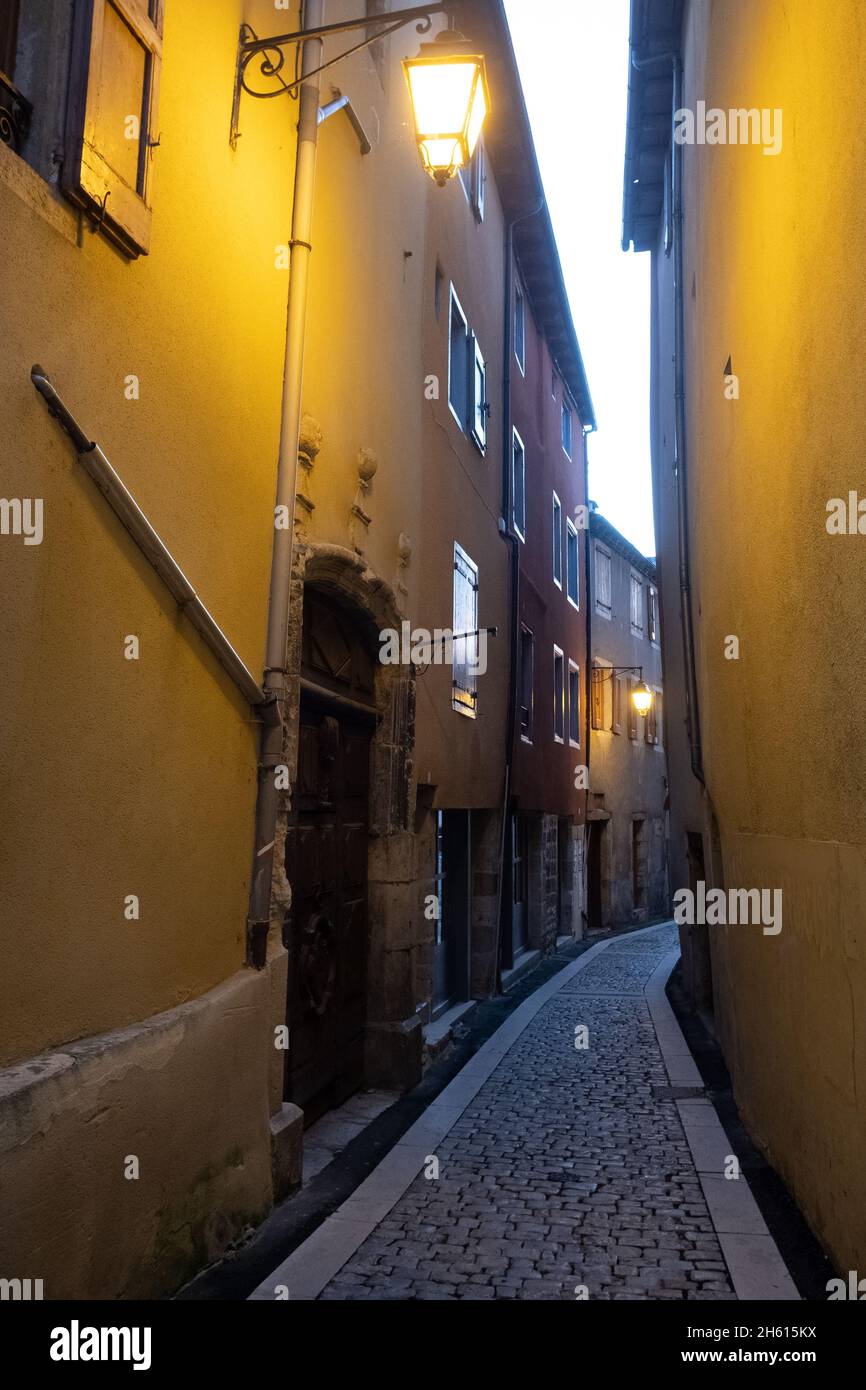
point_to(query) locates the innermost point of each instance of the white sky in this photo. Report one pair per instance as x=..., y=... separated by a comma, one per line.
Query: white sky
x=573, y=58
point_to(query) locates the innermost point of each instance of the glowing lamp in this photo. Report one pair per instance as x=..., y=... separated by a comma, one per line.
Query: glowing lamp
x=642, y=698
x=448, y=89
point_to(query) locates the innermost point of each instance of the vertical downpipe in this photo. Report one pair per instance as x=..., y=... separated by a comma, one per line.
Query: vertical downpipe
x=274, y=682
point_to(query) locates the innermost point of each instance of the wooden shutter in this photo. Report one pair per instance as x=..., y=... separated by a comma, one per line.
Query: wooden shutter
x=602, y=580
x=112, y=116
x=616, y=721
x=465, y=620
x=597, y=682
x=632, y=712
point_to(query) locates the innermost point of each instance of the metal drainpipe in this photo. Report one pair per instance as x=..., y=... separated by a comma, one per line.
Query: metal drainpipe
x=274, y=682
x=680, y=440
x=514, y=545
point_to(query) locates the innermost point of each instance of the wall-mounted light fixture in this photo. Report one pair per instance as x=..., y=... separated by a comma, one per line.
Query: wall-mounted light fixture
x=447, y=83
x=641, y=695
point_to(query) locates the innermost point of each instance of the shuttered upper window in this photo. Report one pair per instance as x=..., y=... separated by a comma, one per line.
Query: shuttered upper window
x=518, y=485
x=602, y=581
x=636, y=601
x=112, y=116
x=572, y=560
x=464, y=647
x=557, y=541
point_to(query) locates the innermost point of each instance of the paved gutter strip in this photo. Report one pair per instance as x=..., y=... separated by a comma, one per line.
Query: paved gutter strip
x=755, y=1265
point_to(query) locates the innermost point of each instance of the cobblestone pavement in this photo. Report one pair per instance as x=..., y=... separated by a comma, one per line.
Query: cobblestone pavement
x=564, y=1171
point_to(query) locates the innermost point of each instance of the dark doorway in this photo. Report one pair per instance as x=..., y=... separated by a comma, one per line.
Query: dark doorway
x=519, y=886
x=326, y=862
x=452, y=921
x=593, y=873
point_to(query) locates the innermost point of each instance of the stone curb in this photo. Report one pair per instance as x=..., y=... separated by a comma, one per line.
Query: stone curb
x=755, y=1265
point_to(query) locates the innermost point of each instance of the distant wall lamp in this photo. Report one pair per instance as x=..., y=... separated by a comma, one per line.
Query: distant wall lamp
x=641, y=696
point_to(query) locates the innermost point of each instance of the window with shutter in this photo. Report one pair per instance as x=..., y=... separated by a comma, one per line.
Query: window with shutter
x=518, y=485
x=557, y=541
x=636, y=604
x=632, y=712
x=572, y=564
x=558, y=695
x=519, y=328
x=573, y=704
x=617, y=698
x=652, y=614
x=527, y=682
x=566, y=428
x=480, y=407
x=598, y=680
x=464, y=647
x=112, y=116
x=602, y=582
x=458, y=363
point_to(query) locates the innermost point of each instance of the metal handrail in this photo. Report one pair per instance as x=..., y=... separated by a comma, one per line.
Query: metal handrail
x=125, y=507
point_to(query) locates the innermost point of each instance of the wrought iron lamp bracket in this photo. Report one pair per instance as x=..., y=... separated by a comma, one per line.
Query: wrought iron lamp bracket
x=272, y=51
x=608, y=672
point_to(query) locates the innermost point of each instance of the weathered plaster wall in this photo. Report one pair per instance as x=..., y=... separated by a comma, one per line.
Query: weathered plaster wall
x=138, y=777
x=769, y=282
x=185, y=1094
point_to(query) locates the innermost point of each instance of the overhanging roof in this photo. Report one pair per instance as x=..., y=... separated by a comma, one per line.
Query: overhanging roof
x=511, y=150
x=656, y=28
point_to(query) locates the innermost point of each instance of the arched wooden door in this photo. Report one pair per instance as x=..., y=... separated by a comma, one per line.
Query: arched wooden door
x=326, y=861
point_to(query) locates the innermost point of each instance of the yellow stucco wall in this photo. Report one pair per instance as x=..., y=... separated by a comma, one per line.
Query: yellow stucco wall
x=138, y=777
x=771, y=279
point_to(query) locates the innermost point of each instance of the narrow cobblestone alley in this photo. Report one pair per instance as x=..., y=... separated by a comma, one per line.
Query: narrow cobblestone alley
x=568, y=1175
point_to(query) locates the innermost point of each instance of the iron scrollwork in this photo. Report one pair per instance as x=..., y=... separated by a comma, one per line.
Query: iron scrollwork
x=15, y=113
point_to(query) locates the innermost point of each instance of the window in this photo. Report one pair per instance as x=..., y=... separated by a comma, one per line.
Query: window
x=458, y=363
x=573, y=704
x=519, y=327
x=652, y=614
x=112, y=116
x=527, y=682
x=473, y=177
x=602, y=581
x=518, y=486
x=617, y=696
x=636, y=604
x=467, y=377
x=633, y=715
x=653, y=720
x=557, y=541
x=566, y=427
x=464, y=646
x=480, y=408
x=600, y=696
x=558, y=695
x=572, y=564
